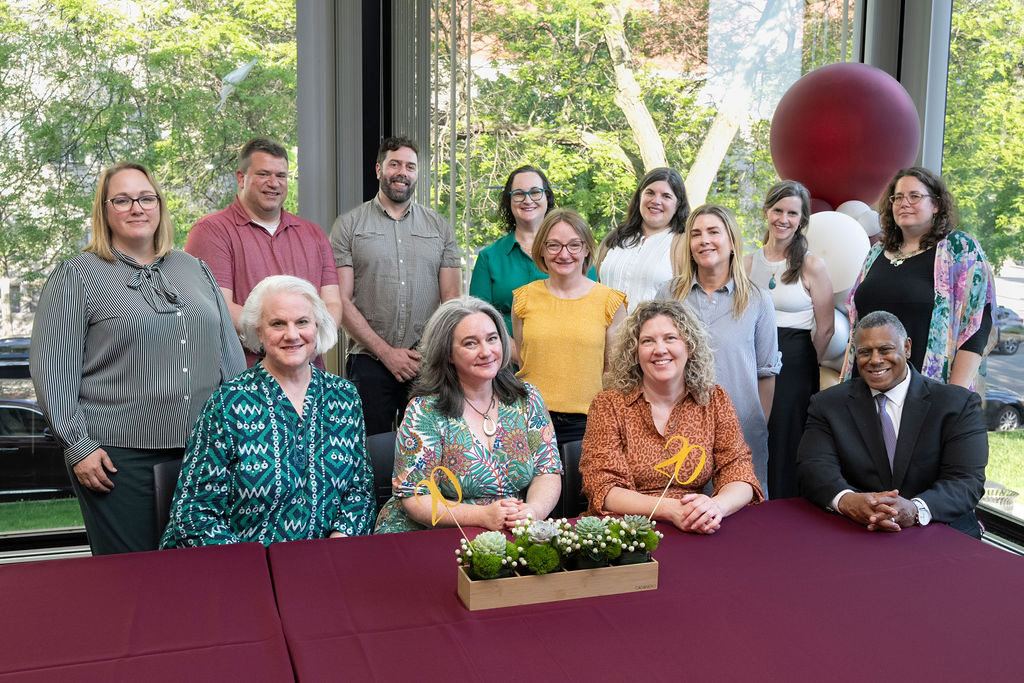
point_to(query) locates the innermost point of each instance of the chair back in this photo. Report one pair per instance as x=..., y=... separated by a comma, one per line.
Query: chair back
x=574, y=503
x=380, y=449
x=165, y=480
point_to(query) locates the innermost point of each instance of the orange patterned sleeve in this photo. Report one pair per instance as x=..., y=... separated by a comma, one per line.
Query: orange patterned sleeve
x=603, y=463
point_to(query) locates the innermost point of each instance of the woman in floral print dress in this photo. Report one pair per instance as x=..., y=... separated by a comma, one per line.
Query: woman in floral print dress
x=472, y=416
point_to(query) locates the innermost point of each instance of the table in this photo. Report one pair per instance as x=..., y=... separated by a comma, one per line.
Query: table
x=784, y=591
x=174, y=615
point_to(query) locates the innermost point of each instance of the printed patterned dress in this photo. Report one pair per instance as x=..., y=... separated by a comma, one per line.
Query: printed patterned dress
x=256, y=471
x=524, y=446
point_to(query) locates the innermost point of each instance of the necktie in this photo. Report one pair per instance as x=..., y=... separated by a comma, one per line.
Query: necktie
x=888, y=431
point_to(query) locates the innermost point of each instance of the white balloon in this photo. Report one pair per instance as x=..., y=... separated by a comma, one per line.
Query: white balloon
x=839, y=300
x=835, y=352
x=840, y=242
x=853, y=208
x=863, y=214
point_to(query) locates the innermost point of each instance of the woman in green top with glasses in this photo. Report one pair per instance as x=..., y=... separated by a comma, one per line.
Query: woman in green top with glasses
x=506, y=265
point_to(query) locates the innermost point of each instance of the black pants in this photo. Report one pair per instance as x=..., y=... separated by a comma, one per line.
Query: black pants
x=794, y=387
x=124, y=520
x=384, y=397
x=569, y=427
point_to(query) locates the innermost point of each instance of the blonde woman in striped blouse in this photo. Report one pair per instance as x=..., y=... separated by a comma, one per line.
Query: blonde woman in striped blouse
x=130, y=339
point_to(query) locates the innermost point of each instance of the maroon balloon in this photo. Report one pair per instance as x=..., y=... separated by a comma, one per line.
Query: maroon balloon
x=843, y=131
x=819, y=205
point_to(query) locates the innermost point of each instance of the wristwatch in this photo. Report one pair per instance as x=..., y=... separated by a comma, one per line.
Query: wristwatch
x=923, y=515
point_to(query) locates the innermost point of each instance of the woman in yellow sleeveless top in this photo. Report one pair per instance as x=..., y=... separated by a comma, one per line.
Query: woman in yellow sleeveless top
x=563, y=325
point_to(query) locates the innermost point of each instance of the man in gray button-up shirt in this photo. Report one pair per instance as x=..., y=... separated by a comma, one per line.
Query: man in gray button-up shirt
x=397, y=261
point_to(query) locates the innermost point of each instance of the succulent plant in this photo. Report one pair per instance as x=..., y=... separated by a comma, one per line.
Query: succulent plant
x=490, y=543
x=543, y=532
x=637, y=524
x=591, y=526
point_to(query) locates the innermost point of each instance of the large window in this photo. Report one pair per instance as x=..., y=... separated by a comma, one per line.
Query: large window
x=176, y=86
x=596, y=93
x=983, y=161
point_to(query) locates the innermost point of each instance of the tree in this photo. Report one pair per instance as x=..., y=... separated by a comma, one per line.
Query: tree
x=86, y=84
x=983, y=160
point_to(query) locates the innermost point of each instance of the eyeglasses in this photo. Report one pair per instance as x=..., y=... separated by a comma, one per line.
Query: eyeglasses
x=124, y=204
x=913, y=198
x=534, y=193
x=555, y=248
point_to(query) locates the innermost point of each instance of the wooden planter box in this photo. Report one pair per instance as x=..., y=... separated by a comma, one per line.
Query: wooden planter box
x=561, y=585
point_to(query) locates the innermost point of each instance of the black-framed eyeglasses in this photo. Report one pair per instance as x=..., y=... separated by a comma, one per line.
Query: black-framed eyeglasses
x=913, y=198
x=534, y=193
x=124, y=204
x=555, y=248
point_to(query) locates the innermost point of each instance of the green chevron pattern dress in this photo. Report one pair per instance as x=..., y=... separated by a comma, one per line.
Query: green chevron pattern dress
x=256, y=471
x=524, y=446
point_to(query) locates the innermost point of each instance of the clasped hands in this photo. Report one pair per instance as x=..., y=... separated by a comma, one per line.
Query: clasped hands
x=879, y=510
x=694, y=512
x=504, y=513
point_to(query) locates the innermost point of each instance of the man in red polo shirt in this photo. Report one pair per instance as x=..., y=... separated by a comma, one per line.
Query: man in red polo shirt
x=254, y=237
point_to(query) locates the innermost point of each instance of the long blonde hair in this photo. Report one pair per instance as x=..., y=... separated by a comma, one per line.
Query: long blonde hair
x=743, y=288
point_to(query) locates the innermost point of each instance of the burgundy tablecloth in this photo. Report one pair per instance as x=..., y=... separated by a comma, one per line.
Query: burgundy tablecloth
x=205, y=614
x=784, y=591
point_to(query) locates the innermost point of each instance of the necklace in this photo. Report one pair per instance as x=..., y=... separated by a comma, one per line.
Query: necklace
x=899, y=257
x=490, y=426
x=775, y=271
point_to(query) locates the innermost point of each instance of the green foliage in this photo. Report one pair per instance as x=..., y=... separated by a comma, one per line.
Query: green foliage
x=485, y=566
x=541, y=559
x=983, y=158
x=135, y=81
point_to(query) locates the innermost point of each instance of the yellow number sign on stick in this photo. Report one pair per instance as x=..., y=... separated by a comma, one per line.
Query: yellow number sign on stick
x=437, y=499
x=676, y=461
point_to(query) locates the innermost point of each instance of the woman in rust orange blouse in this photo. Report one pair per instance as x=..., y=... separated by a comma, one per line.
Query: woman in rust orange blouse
x=663, y=386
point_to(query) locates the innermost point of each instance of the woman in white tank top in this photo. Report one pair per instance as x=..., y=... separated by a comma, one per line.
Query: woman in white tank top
x=801, y=291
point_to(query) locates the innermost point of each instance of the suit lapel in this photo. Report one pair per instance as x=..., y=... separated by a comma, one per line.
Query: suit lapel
x=865, y=417
x=915, y=410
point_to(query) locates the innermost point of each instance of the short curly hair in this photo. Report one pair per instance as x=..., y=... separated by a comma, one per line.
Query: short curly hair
x=626, y=375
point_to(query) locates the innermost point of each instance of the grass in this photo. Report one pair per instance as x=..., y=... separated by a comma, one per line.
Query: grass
x=1006, y=459
x=40, y=514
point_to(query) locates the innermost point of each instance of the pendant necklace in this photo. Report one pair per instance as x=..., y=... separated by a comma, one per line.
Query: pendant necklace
x=771, y=281
x=490, y=426
x=899, y=258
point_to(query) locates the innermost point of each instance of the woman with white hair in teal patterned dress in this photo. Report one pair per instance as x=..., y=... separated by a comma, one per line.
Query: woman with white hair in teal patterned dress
x=279, y=453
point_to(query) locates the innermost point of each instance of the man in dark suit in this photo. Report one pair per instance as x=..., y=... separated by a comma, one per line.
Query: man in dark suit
x=892, y=449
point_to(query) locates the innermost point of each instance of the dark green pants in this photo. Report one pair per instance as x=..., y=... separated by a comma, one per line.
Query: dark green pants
x=124, y=520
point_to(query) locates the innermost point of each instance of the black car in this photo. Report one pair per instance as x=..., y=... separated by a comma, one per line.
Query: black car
x=31, y=458
x=14, y=357
x=1010, y=330
x=1004, y=410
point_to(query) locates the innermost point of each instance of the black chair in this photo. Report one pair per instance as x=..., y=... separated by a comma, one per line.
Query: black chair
x=573, y=502
x=380, y=449
x=165, y=480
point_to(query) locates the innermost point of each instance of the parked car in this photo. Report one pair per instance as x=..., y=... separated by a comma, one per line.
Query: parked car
x=31, y=458
x=14, y=357
x=1004, y=410
x=1009, y=330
